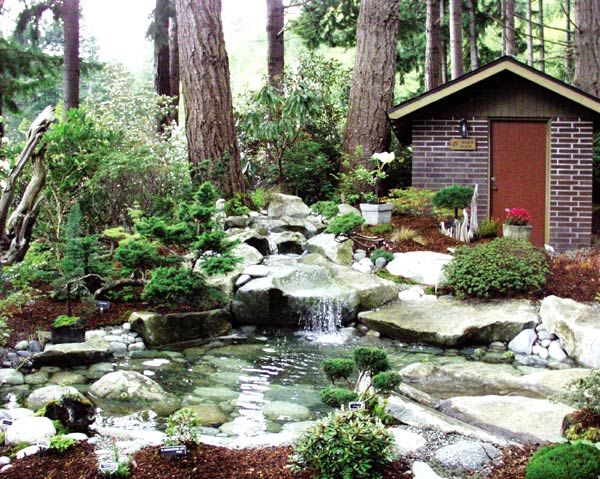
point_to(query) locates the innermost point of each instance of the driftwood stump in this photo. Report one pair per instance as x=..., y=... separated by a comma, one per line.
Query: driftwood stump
x=16, y=228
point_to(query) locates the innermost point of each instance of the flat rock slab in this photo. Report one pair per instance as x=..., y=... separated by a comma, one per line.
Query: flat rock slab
x=517, y=418
x=423, y=267
x=452, y=323
x=73, y=354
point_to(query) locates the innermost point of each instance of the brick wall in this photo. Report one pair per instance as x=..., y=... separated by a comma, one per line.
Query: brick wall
x=571, y=141
x=436, y=166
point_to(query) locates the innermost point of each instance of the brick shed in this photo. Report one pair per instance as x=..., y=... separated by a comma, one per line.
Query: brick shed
x=524, y=137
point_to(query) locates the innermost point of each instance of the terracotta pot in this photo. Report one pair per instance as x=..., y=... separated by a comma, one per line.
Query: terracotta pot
x=376, y=213
x=517, y=232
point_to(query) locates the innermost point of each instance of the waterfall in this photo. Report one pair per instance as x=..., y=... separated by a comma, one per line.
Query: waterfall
x=320, y=320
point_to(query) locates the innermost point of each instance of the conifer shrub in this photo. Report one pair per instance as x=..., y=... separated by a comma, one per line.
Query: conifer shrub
x=345, y=225
x=327, y=209
x=175, y=284
x=338, y=368
x=500, y=268
x=564, y=461
x=346, y=444
x=455, y=196
x=338, y=397
x=381, y=253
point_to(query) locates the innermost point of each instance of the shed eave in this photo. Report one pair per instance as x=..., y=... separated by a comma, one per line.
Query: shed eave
x=504, y=64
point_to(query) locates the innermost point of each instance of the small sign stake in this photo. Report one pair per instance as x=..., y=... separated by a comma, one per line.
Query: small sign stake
x=173, y=451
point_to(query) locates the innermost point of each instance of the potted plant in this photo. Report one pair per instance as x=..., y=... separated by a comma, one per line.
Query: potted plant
x=517, y=224
x=68, y=329
x=372, y=210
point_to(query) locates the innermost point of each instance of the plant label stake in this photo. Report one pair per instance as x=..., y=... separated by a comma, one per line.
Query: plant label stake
x=353, y=406
x=42, y=444
x=108, y=467
x=176, y=451
x=6, y=422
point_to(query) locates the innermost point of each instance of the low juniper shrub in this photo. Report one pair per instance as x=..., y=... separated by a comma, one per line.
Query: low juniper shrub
x=381, y=253
x=564, y=461
x=337, y=397
x=345, y=225
x=500, y=268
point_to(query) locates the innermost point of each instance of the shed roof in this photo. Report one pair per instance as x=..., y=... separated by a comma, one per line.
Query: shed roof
x=401, y=114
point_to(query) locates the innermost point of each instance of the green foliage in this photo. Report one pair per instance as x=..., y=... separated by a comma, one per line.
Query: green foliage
x=455, y=196
x=386, y=381
x=338, y=397
x=346, y=444
x=259, y=198
x=503, y=267
x=60, y=428
x=61, y=443
x=371, y=360
x=345, y=225
x=366, y=177
x=408, y=234
x=380, y=229
x=564, y=461
x=327, y=209
x=64, y=321
x=411, y=201
x=218, y=264
x=584, y=393
x=235, y=206
x=577, y=432
x=174, y=285
x=181, y=426
x=137, y=256
x=488, y=229
x=291, y=136
x=381, y=253
x=338, y=368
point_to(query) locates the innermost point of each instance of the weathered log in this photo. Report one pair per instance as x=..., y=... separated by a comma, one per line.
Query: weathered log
x=15, y=231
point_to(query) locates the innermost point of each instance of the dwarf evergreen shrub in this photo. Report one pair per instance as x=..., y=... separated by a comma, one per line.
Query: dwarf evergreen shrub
x=503, y=267
x=338, y=397
x=346, y=444
x=564, y=461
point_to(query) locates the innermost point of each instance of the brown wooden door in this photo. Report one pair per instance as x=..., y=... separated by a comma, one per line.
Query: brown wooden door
x=518, y=172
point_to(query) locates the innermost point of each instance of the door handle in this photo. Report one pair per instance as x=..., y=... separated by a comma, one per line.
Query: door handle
x=493, y=183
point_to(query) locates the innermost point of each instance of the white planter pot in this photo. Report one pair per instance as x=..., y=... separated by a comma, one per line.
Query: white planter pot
x=376, y=214
x=517, y=232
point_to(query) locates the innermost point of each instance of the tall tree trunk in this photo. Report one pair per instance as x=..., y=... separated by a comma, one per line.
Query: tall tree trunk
x=474, y=54
x=372, y=92
x=433, y=74
x=162, y=73
x=2, y=129
x=443, y=45
x=456, y=54
x=569, y=43
x=529, y=34
x=587, y=45
x=71, y=58
x=508, y=27
x=174, y=68
x=541, y=35
x=214, y=153
x=276, y=57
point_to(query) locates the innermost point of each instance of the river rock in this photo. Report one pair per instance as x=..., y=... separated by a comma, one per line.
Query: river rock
x=29, y=430
x=467, y=455
x=287, y=205
x=451, y=323
x=15, y=413
x=423, y=267
x=66, y=378
x=210, y=414
x=66, y=355
x=216, y=394
x=37, y=378
x=578, y=327
x=158, y=330
x=309, y=287
x=135, y=389
x=523, y=342
x=556, y=351
x=406, y=442
x=326, y=245
x=40, y=397
x=421, y=470
x=286, y=411
x=11, y=376
x=515, y=417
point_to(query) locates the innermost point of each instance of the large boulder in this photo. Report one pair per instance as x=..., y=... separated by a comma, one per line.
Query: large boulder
x=42, y=396
x=578, y=327
x=95, y=350
x=133, y=392
x=287, y=205
x=463, y=377
x=326, y=245
x=308, y=226
x=29, y=430
x=452, y=323
x=514, y=417
x=225, y=282
x=467, y=455
x=288, y=242
x=161, y=329
x=308, y=289
x=423, y=267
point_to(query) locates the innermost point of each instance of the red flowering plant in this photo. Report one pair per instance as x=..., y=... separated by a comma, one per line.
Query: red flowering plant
x=517, y=217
